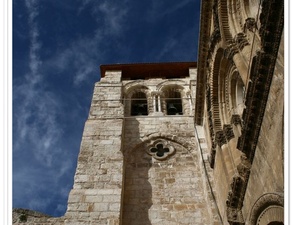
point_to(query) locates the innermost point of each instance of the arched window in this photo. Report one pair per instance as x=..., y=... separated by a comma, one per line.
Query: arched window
x=173, y=101
x=139, y=104
x=237, y=93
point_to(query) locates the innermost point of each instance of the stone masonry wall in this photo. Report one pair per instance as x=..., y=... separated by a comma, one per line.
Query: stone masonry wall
x=170, y=191
x=96, y=194
x=267, y=172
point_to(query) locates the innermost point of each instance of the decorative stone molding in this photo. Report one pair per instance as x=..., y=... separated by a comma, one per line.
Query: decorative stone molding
x=236, y=120
x=261, y=75
x=220, y=138
x=236, y=44
x=235, y=216
x=244, y=167
x=161, y=150
x=214, y=40
x=228, y=132
x=241, y=40
x=250, y=24
x=224, y=23
x=205, y=20
x=265, y=203
x=235, y=201
x=231, y=50
x=234, y=196
x=272, y=215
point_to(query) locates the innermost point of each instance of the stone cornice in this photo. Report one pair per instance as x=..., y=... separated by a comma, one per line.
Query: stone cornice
x=204, y=36
x=261, y=75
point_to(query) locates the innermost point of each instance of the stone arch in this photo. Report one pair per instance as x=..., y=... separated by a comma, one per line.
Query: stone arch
x=236, y=93
x=133, y=88
x=170, y=82
x=213, y=100
x=250, y=8
x=224, y=23
x=235, y=16
x=173, y=95
x=133, y=91
x=268, y=209
x=223, y=92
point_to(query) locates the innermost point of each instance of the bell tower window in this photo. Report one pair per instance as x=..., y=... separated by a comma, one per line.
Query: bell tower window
x=174, y=103
x=139, y=105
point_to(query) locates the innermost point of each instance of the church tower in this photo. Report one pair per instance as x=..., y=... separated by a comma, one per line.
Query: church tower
x=188, y=143
x=139, y=161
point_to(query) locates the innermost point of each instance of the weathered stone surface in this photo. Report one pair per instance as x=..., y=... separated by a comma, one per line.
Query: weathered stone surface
x=162, y=168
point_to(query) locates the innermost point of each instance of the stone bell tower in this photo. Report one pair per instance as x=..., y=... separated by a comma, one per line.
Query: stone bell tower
x=139, y=161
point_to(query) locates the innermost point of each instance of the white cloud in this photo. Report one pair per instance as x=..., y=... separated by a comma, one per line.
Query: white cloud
x=113, y=16
x=159, y=9
x=35, y=45
x=110, y=15
x=169, y=47
x=36, y=124
x=83, y=52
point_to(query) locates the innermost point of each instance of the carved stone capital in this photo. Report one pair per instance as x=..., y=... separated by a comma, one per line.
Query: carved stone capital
x=215, y=38
x=250, y=24
x=241, y=40
x=220, y=138
x=244, y=167
x=231, y=50
x=236, y=120
x=228, y=131
x=235, y=201
x=235, y=196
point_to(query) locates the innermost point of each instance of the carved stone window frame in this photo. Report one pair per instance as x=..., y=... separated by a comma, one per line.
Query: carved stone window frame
x=237, y=93
x=160, y=149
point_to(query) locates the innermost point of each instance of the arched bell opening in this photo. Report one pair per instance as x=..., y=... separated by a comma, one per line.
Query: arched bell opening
x=173, y=100
x=174, y=104
x=139, y=106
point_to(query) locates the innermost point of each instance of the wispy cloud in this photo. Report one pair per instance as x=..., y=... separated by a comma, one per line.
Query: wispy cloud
x=35, y=45
x=36, y=122
x=113, y=15
x=83, y=52
x=159, y=9
x=168, y=47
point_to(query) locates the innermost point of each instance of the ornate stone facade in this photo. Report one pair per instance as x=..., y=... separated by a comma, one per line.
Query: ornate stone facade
x=243, y=60
x=188, y=143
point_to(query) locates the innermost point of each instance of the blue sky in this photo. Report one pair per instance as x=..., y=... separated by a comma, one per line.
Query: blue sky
x=58, y=46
